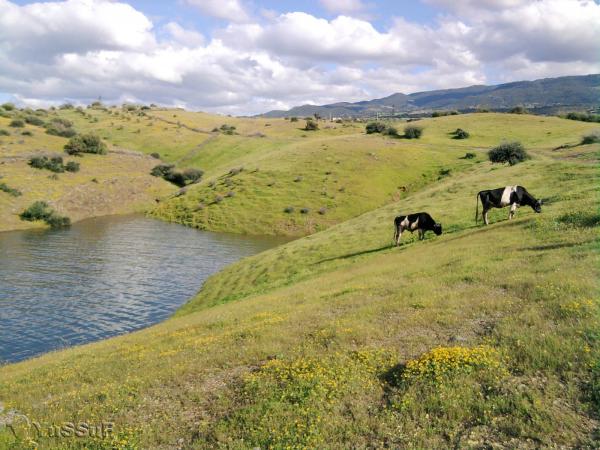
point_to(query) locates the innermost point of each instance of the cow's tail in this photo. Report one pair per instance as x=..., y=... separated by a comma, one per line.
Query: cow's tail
x=477, y=207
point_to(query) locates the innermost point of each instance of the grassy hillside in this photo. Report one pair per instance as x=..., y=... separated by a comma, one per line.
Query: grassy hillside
x=481, y=338
x=109, y=184
x=297, y=185
x=304, y=181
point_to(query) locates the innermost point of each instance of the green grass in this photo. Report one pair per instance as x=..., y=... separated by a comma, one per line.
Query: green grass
x=119, y=182
x=328, y=341
x=340, y=170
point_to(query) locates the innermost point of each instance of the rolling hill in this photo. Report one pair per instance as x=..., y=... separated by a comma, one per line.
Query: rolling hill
x=484, y=337
x=545, y=96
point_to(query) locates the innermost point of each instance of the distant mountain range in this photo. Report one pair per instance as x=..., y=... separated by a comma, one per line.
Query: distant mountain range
x=547, y=95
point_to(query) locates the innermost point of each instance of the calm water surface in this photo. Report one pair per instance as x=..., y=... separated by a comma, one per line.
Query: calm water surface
x=103, y=277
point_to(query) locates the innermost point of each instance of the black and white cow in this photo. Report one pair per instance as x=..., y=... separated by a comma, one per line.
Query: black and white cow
x=421, y=222
x=514, y=196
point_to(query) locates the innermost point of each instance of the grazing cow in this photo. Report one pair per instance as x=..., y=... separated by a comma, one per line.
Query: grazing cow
x=514, y=196
x=421, y=222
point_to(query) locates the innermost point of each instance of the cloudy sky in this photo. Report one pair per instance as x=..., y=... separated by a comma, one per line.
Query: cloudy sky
x=250, y=56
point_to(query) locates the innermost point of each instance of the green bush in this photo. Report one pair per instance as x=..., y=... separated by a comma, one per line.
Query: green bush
x=8, y=106
x=584, y=117
x=40, y=210
x=155, y=155
x=17, y=123
x=311, y=125
x=227, y=129
x=459, y=133
x=293, y=119
x=413, y=132
x=56, y=221
x=86, y=143
x=591, y=138
x=54, y=164
x=518, y=110
x=4, y=132
x=10, y=191
x=72, y=166
x=179, y=178
x=34, y=120
x=508, y=152
x=60, y=127
x=390, y=131
x=444, y=113
x=66, y=106
x=469, y=155
x=36, y=211
x=375, y=127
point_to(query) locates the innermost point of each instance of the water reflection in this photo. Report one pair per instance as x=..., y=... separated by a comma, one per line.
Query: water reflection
x=103, y=277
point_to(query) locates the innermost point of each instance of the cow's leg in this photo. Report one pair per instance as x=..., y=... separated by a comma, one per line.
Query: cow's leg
x=398, y=235
x=484, y=213
x=421, y=234
x=513, y=208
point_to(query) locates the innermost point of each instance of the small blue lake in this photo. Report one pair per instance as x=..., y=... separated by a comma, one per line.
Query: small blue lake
x=103, y=277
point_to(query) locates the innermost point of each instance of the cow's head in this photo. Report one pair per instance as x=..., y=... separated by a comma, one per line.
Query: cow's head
x=437, y=228
x=537, y=206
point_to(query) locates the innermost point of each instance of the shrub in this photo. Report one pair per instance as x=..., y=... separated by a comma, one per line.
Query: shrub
x=16, y=123
x=311, y=125
x=413, y=132
x=469, y=155
x=322, y=211
x=230, y=194
x=584, y=117
x=459, y=133
x=304, y=210
x=293, y=119
x=508, y=152
x=218, y=198
x=34, y=120
x=161, y=170
x=66, y=106
x=444, y=113
x=4, y=132
x=591, y=138
x=26, y=133
x=518, y=110
x=375, y=127
x=390, y=131
x=227, y=129
x=54, y=164
x=8, y=106
x=179, y=178
x=36, y=211
x=155, y=155
x=444, y=172
x=10, y=191
x=60, y=127
x=288, y=209
x=86, y=143
x=56, y=221
x=192, y=175
x=72, y=166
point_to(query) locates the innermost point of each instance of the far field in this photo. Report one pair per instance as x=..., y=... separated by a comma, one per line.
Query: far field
x=484, y=337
